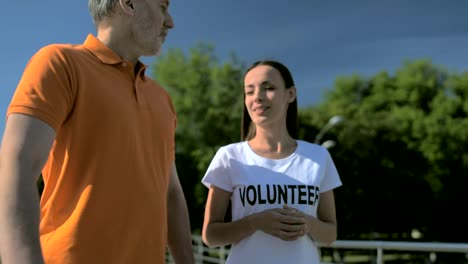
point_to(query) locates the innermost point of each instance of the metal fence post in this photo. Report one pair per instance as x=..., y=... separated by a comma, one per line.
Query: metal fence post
x=380, y=256
x=200, y=249
x=222, y=255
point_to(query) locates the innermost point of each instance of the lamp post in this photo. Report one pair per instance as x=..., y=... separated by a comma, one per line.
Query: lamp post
x=328, y=144
x=335, y=120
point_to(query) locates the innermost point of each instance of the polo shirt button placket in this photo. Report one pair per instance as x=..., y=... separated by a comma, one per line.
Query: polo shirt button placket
x=140, y=93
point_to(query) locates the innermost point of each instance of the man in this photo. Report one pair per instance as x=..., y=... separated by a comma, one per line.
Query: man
x=102, y=135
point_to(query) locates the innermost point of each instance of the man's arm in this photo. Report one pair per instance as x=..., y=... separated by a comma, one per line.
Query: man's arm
x=25, y=148
x=179, y=233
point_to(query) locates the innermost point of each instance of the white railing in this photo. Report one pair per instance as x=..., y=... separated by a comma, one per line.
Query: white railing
x=431, y=248
x=204, y=254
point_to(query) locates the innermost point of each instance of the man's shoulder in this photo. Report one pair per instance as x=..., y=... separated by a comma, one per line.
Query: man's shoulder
x=156, y=85
x=58, y=52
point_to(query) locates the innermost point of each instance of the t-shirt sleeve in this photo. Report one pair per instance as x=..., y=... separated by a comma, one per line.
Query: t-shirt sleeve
x=331, y=178
x=45, y=90
x=218, y=172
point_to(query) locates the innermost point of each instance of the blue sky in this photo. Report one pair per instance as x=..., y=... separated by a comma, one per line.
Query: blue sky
x=317, y=40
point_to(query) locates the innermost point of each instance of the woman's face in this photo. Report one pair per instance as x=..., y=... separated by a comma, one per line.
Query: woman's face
x=266, y=97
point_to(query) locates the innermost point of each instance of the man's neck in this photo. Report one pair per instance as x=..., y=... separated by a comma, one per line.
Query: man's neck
x=117, y=43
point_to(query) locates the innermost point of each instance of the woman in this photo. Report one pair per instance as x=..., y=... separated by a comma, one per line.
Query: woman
x=281, y=188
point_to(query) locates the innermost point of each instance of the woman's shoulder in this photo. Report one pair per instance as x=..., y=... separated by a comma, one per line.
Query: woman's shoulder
x=308, y=146
x=312, y=150
x=233, y=148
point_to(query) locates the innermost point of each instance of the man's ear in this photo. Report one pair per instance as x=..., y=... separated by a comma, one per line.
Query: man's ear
x=127, y=7
x=292, y=94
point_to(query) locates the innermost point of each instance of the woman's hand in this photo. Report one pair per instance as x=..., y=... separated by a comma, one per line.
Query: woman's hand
x=308, y=220
x=285, y=223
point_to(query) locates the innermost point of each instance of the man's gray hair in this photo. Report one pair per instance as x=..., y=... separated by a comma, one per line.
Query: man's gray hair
x=100, y=9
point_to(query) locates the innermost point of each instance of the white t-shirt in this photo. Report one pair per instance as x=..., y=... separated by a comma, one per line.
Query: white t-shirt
x=258, y=184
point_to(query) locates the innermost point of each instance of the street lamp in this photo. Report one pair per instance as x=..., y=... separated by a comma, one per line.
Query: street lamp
x=335, y=120
x=328, y=144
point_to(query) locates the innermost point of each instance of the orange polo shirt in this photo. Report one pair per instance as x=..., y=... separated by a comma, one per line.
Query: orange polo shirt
x=106, y=179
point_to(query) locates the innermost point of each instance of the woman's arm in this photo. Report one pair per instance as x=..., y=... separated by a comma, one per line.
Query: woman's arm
x=323, y=228
x=278, y=222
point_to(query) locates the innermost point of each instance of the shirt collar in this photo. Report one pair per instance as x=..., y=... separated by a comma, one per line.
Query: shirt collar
x=105, y=54
x=101, y=51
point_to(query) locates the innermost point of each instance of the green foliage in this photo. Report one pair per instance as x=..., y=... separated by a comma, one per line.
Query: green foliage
x=402, y=154
x=208, y=98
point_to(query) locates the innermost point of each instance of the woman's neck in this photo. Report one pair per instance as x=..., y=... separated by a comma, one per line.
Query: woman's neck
x=272, y=144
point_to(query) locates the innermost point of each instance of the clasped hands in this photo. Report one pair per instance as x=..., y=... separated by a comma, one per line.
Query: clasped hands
x=285, y=223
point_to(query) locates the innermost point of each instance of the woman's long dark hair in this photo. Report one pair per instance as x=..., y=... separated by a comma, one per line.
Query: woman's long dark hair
x=248, y=128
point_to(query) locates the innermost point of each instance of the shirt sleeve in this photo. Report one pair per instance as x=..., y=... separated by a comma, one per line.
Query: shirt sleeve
x=331, y=178
x=218, y=172
x=45, y=90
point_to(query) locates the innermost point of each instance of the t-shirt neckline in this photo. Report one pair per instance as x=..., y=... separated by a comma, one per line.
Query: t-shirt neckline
x=259, y=158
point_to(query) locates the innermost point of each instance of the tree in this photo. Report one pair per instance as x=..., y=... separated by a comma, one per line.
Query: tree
x=403, y=153
x=208, y=99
